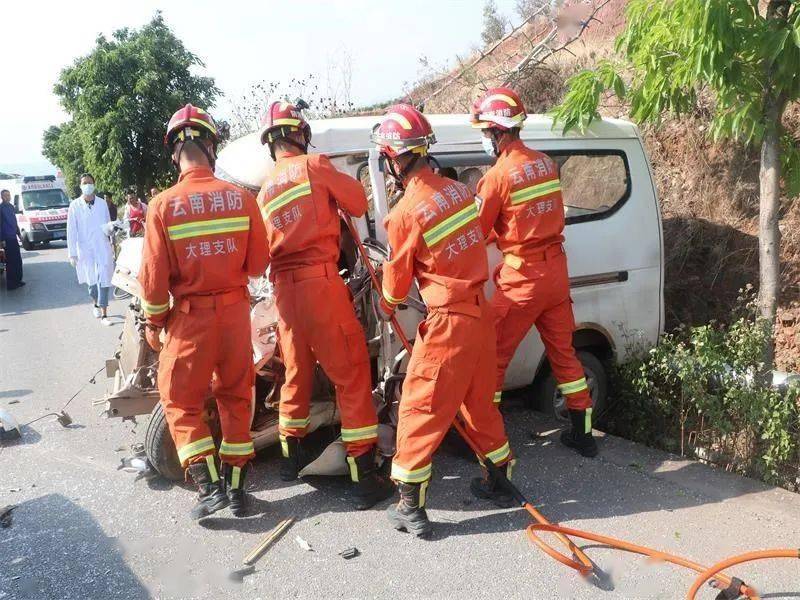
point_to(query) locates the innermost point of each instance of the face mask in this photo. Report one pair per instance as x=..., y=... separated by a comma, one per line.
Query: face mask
x=489, y=146
x=87, y=189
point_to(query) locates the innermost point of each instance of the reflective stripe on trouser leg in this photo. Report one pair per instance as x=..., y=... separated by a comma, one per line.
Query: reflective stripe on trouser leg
x=576, y=393
x=419, y=475
x=499, y=456
x=573, y=387
x=236, y=477
x=587, y=428
x=351, y=462
x=360, y=434
x=287, y=423
x=236, y=449
x=196, y=448
x=212, y=468
x=284, y=446
x=423, y=492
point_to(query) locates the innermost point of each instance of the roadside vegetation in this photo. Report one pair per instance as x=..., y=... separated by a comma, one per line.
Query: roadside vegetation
x=699, y=394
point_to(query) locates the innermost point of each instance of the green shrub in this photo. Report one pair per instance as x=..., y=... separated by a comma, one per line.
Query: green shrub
x=700, y=393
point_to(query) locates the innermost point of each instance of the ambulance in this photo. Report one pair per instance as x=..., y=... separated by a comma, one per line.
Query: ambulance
x=41, y=203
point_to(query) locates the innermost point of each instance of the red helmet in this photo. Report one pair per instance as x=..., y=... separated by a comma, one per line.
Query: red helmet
x=190, y=122
x=499, y=108
x=283, y=118
x=403, y=129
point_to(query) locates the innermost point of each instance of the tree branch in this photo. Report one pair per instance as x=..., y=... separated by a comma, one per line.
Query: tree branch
x=531, y=60
x=484, y=54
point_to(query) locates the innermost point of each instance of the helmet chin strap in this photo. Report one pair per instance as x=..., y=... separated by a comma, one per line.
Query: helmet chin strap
x=289, y=140
x=212, y=159
x=400, y=178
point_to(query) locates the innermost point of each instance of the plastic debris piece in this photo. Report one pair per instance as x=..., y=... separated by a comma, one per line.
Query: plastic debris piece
x=303, y=544
x=349, y=553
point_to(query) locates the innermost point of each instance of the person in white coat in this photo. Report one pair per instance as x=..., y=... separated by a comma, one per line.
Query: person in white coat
x=89, y=248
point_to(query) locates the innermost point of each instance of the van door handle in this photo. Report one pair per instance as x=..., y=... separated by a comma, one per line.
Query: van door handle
x=598, y=279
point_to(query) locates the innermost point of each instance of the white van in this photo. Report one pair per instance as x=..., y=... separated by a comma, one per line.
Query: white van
x=613, y=235
x=41, y=203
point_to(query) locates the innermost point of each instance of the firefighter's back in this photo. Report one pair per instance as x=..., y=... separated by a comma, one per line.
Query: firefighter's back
x=451, y=255
x=208, y=225
x=299, y=213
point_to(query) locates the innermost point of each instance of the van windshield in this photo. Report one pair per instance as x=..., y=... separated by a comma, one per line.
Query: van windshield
x=44, y=199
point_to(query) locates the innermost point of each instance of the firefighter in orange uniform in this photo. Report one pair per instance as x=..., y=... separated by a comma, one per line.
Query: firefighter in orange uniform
x=520, y=199
x=299, y=203
x=203, y=239
x=435, y=237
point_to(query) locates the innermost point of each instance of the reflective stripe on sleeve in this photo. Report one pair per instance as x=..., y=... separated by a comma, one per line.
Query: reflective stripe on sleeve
x=391, y=299
x=498, y=396
x=154, y=309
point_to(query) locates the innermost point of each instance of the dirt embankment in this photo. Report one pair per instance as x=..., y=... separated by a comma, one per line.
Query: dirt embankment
x=708, y=191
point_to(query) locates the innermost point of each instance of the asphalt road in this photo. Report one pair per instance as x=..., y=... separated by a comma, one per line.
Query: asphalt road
x=84, y=529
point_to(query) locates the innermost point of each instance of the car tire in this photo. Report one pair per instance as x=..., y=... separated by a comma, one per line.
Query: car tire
x=27, y=244
x=159, y=447
x=548, y=400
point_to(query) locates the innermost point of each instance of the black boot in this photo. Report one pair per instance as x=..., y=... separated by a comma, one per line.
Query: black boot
x=294, y=458
x=212, y=495
x=234, y=478
x=580, y=436
x=490, y=487
x=369, y=486
x=409, y=514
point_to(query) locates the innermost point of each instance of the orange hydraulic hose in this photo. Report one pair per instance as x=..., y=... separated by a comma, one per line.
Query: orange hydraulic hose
x=584, y=565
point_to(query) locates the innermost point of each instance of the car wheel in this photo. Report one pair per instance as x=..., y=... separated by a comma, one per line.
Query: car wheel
x=27, y=243
x=549, y=400
x=160, y=448
x=158, y=444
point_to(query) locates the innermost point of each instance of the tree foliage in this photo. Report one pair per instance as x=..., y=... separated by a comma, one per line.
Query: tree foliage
x=495, y=25
x=62, y=146
x=120, y=97
x=675, y=50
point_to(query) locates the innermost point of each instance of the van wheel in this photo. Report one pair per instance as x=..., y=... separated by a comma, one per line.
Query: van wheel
x=549, y=400
x=160, y=448
x=27, y=243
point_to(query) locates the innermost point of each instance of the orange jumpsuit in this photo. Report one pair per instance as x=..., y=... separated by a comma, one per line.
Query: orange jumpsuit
x=317, y=321
x=436, y=238
x=520, y=199
x=203, y=238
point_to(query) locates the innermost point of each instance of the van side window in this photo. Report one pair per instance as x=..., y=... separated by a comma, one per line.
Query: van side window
x=592, y=184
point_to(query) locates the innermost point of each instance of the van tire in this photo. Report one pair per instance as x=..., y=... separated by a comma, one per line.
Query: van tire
x=159, y=447
x=27, y=244
x=546, y=399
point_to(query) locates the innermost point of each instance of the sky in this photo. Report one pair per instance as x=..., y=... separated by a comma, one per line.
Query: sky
x=240, y=42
